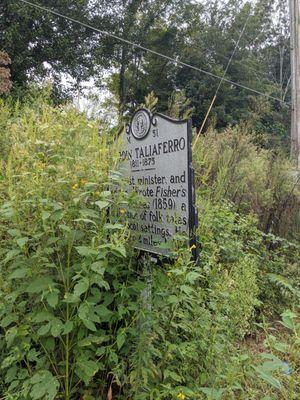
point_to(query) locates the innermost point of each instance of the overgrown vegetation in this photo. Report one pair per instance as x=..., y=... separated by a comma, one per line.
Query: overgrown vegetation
x=230, y=165
x=74, y=300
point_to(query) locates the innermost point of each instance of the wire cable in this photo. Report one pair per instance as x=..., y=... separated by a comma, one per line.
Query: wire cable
x=173, y=60
x=223, y=77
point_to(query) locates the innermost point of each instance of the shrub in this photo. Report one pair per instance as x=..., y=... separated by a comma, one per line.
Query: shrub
x=81, y=313
x=62, y=265
x=229, y=166
x=230, y=244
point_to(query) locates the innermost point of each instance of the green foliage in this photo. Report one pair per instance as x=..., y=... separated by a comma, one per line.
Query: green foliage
x=229, y=165
x=229, y=256
x=62, y=265
x=42, y=45
x=202, y=34
x=282, y=342
x=81, y=316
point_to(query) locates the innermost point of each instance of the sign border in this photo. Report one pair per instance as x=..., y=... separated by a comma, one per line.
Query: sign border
x=193, y=214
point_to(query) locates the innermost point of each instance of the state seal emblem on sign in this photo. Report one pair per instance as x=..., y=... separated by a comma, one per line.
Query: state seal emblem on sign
x=140, y=124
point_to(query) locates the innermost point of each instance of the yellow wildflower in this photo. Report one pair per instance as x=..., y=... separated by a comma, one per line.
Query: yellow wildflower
x=169, y=274
x=122, y=211
x=75, y=186
x=192, y=247
x=181, y=396
x=83, y=181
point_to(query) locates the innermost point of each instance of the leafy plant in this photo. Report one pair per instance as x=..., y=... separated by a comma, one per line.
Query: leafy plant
x=83, y=315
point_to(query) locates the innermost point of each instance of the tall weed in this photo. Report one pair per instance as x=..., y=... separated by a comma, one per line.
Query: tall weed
x=230, y=166
x=81, y=313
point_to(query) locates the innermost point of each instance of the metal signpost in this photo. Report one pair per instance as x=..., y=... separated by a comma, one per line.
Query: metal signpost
x=157, y=161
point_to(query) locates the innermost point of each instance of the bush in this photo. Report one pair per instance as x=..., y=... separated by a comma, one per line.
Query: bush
x=229, y=166
x=229, y=256
x=62, y=265
x=81, y=313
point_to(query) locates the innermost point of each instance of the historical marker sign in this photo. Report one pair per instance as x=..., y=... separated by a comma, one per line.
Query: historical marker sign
x=156, y=160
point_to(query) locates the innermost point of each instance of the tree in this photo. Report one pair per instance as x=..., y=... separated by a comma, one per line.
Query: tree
x=202, y=34
x=41, y=44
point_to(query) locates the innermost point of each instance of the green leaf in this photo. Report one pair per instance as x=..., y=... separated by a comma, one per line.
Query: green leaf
x=191, y=277
x=38, y=391
x=88, y=213
x=213, y=393
x=71, y=298
x=288, y=319
x=102, y=204
x=268, y=377
x=56, y=327
x=6, y=321
x=282, y=347
x=86, y=369
x=13, y=385
x=98, y=267
x=14, y=232
x=106, y=193
x=33, y=355
x=43, y=330
x=104, y=313
x=119, y=250
x=57, y=215
x=44, y=386
x=42, y=316
x=81, y=287
x=52, y=299
x=10, y=255
x=100, y=351
x=173, y=375
x=86, y=251
x=49, y=343
x=89, y=324
x=68, y=327
x=121, y=337
x=172, y=299
x=10, y=335
x=18, y=273
x=265, y=370
x=64, y=227
x=39, y=284
x=186, y=289
x=45, y=215
x=86, y=221
x=22, y=241
x=83, y=310
x=11, y=374
x=87, y=341
x=113, y=227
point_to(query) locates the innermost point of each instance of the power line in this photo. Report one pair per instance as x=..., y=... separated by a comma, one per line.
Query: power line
x=240, y=62
x=223, y=77
x=243, y=63
x=173, y=60
x=233, y=53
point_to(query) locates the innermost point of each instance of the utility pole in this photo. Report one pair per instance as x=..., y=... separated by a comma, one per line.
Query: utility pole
x=295, y=71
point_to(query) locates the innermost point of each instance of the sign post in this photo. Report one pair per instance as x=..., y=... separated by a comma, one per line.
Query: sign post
x=157, y=162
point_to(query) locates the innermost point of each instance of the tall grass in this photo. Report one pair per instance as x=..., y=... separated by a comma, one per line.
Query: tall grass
x=230, y=166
